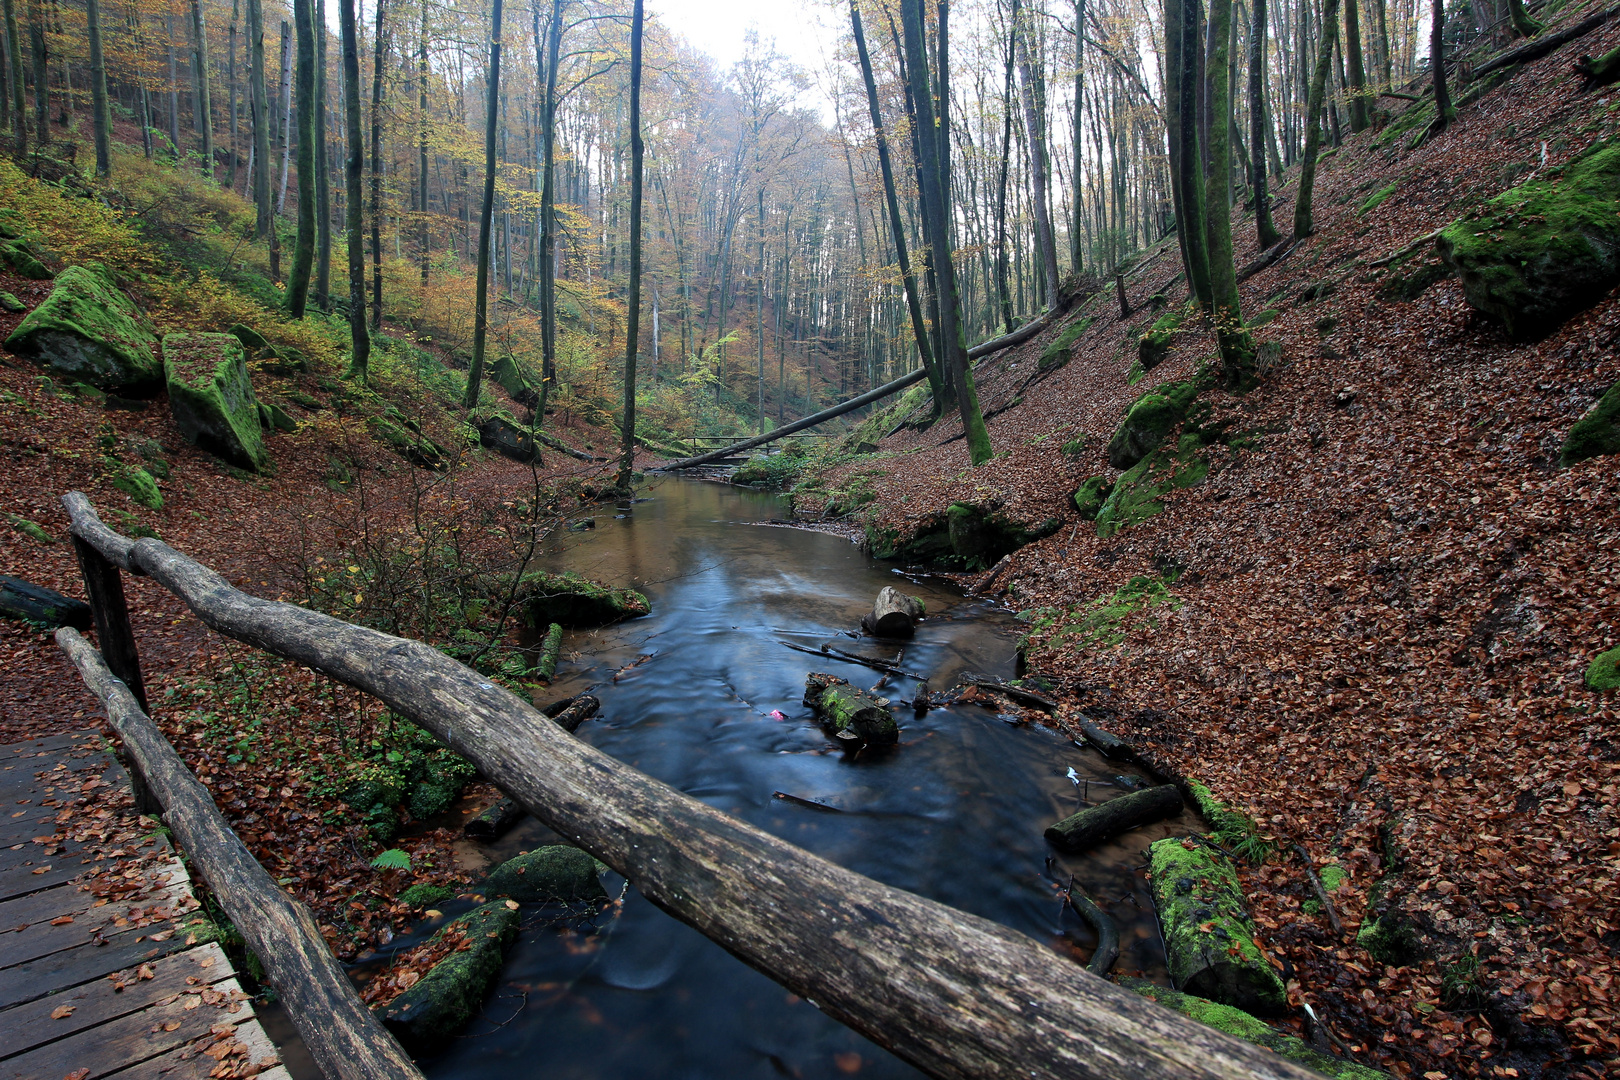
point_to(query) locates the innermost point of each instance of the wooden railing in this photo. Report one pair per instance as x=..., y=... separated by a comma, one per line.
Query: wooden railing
x=954, y=994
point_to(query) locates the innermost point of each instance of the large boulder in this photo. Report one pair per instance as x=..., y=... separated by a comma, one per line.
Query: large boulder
x=571, y=600
x=1595, y=434
x=557, y=872
x=980, y=534
x=1544, y=250
x=1149, y=421
x=212, y=398
x=89, y=331
x=508, y=439
x=440, y=1003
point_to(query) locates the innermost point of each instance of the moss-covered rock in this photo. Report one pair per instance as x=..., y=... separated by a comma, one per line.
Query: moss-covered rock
x=1208, y=939
x=1091, y=495
x=252, y=341
x=88, y=329
x=418, y=449
x=274, y=418
x=1149, y=421
x=23, y=262
x=410, y=770
x=1154, y=345
x=507, y=438
x=928, y=543
x=31, y=529
x=1544, y=250
x=1603, y=673
x=424, y=895
x=557, y=872
x=139, y=486
x=1061, y=348
x=453, y=990
x=847, y=709
x=1595, y=434
x=212, y=398
x=508, y=373
x=981, y=535
x=576, y=601
x=1136, y=495
x=1389, y=939
x=10, y=304
x=1245, y=1026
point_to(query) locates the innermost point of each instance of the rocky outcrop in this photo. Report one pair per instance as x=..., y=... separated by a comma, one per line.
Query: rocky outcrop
x=1090, y=496
x=508, y=439
x=854, y=715
x=1597, y=433
x=441, y=1002
x=572, y=600
x=212, y=398
x=1149, y=421
x=88, y=330
x=554, y=873
x=1544, y=250
x=1137, y=495
x=1154, y=345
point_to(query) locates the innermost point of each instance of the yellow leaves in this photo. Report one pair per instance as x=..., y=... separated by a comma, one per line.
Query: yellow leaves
x=62, y=1012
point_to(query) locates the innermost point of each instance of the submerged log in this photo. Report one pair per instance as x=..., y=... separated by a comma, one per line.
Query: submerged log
x=893, y=614
x=1099, y=824
x=954, y=994
x=1107, y=951
x=495, y=821
x=1106, y=742
x=579, y=710
x=846, y=709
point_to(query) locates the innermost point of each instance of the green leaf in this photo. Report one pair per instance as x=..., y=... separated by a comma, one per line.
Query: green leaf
x=392, y=859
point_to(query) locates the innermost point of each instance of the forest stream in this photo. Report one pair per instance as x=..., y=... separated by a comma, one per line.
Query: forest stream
x=954, y=813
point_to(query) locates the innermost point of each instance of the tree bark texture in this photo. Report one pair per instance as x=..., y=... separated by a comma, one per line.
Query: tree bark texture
x=1265, y=229
x=343, y=1036
x=204, y=119
x=475, y=374
x=632, y=317
x=304, y=249
x=260, y=104
x=379, y=53
x=1030, y=93
x=359, y=338
x=98, y=90
x=954, y=994
x=14, y=73
x=1313, y=118
x=323, y=176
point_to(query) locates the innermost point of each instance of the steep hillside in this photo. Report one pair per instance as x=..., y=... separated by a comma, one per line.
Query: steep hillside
x=1365, y=611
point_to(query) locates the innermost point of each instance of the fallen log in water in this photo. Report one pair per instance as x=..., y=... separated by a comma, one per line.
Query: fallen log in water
x=546, y=669
x=893, y=614
x=1107, y=951
x=579, y=710
x=495, y=821
x=1101, y=823
x=954, y=994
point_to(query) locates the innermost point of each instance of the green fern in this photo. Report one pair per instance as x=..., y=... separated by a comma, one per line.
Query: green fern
x=392, y=859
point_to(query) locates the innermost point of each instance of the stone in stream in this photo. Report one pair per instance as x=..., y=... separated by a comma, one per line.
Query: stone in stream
x=1098, y=824
x=88, y=330
x=37, y=604
x=557, y=872
x=494, y=821
x=1208, y=938
x=575, y=601
x=852, y=711
x=428, y=1014
x=212, y=398
x=893, y=614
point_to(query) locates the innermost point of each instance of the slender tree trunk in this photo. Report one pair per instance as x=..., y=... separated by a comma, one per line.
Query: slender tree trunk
x=16, y=88
x=897, y=227
x=145, y=94
x=379, y=53
x=1005, y=168
x=548, y=214
x=1265, y=229
x=359, y=360
x=759, y=305
x=1191, y=204
x=934, y=146
x=285, y=112
x=230, y=94
x=5, y=74
x=260, y=105
x=1237, y=349
x=1313, y=118
x=1381, y=60
x=304, y=250
x=323, y=172
x=422, y=145
x=1034, y=130
x=98, y=91
x=205, y=102
x=1358, y=71
x=1444, y=112
x=42, y=103
x=1078, y=189
x=632, y=332
x=475, y=374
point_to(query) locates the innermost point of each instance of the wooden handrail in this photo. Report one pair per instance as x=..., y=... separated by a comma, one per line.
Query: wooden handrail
x=954, y=994
x=346, y=1040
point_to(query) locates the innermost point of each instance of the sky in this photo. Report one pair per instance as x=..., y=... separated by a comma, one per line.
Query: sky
x=804, y=31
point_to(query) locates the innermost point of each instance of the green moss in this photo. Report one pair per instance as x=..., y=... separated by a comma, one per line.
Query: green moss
x=1603, y=673
x=576, y=601
x=88, y=329
x=847, y=709
x=212, y=398
x=1149, y=420
x=1595, y=434
x=1543, y=250
x=1376, y=199
x=10, y=304
x=981, y=535
x=31, y=529
x=1333, y=876
x=1154, y=345
x=1208, y=938
x=139, y=486
x=1074, y=447
x=1060, y=349
x=423, y=895
x=252, y=341
x=929, y=543
x=23, y=263
x=1242, y=1025
x=405, y=769
x=417, y=449
x=557, y=872
x=865, y=436
x=452, y=992
x=1136, y=495
x=1263, y=318
x=1389, y=939
x=1098, y=623
x=1090, y=496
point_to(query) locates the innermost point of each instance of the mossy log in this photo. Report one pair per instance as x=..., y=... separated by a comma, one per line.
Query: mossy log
x=575, y=601
x=893, y=614
x=21, y=600
x=547, y=667
x=1101, y=823
x=1244, y=1026
x=494, y=821
x=88, y=329
x=847, y=709
x=576, y=712
x=956, y=995
x=1208, y=938
x=1106, y=742
x=556, y=872
x=441, y=1002
x=508, y=439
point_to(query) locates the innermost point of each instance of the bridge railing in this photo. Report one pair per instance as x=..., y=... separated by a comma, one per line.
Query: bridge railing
x=956, y=995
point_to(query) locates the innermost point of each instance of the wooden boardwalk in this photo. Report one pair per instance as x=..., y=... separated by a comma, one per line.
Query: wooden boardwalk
x=102, y=973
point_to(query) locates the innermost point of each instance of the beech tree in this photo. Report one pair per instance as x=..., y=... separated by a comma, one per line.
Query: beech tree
x=632, y=333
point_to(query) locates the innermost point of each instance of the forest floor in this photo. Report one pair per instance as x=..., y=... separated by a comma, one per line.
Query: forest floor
x=1385, y=604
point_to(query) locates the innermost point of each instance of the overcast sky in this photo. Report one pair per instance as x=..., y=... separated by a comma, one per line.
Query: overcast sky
x=804, y=30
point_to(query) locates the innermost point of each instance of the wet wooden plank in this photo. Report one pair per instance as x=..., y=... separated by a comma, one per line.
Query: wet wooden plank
x=101, y=1000
x=192, y=1063
x=70, y=967
x=137, y=1037
x=24, y=879
x=44, y=906
x=52, y=936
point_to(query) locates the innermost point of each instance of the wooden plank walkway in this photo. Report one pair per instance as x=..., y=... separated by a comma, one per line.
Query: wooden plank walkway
x=101, y=970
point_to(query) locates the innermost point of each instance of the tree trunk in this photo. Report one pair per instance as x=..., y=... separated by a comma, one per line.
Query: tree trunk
x=42, y=103
x=379, y=52
x=934, y=147
x=486, y=211
x=204, y=119
x=360, y=340
x=285, y=109
x=1007, y=318
x=1358, y=72
x=1183, y=58
x=16, y=88
x=1100, y=824
x=98, y=90
x=323, y=172
x=1313, y=118
x=1031, y=93
x=425, y=252
x=1444, y=113
x=230, y=94
x=893, y=614
x=1237, y=349
x=260, y=105
x=632, y=329
x=304, y=250
x=759, y=304
x=1265, y=229
x=908, y=276
x=1079, y=131
x=548, y=214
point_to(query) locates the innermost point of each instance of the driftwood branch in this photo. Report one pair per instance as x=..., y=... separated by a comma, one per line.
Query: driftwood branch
x=854, y=658
x=956, y=995
x=1544, y=44
x=1107, y=952
x=346, y=1040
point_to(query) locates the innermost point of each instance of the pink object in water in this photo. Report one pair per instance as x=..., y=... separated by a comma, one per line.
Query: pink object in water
x=776, y=714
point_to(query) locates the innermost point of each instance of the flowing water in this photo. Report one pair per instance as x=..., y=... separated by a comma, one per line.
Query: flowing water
x=714, y=708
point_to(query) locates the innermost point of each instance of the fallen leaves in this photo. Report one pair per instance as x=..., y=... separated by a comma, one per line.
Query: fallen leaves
x=62, y=1012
